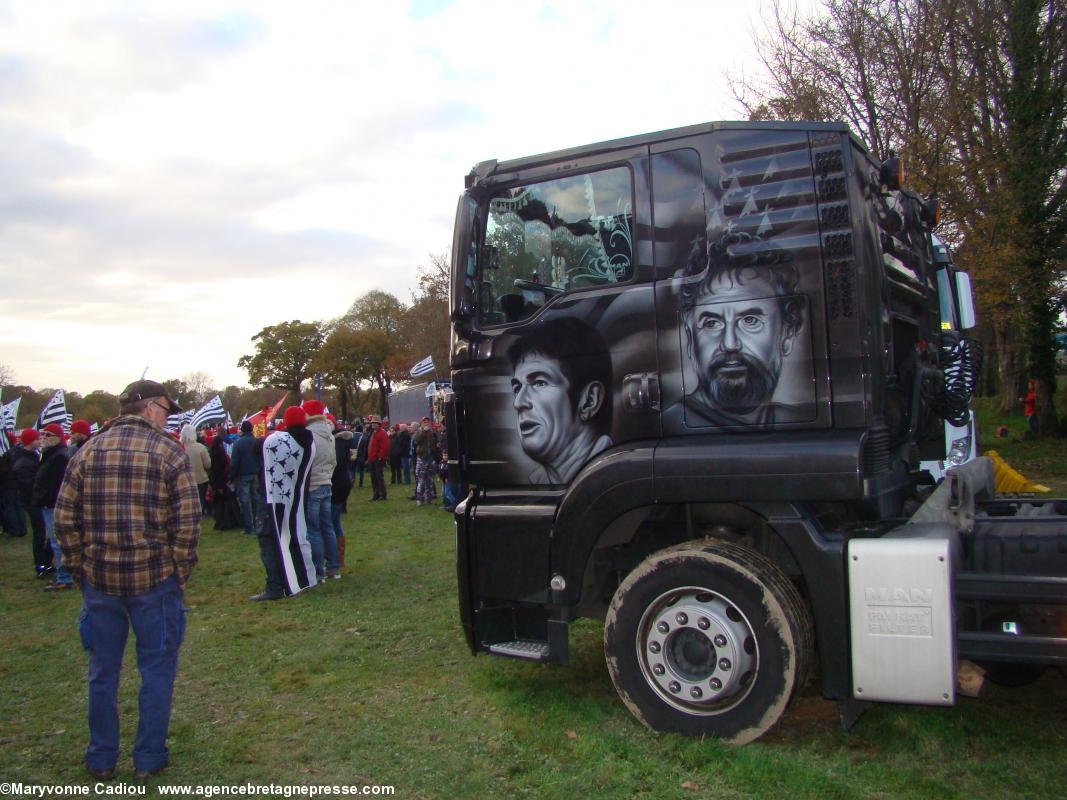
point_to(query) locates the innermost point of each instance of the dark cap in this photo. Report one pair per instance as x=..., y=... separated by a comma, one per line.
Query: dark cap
x=146, y=390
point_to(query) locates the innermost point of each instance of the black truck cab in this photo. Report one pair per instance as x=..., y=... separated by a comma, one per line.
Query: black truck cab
x=689, y=368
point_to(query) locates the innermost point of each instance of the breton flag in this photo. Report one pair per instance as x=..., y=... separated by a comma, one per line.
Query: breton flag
x=287, y=460
x=55, y=410
x=175, y=421
x=424, y=366
x=211, y=411
x=8, y=412
x=67, y=423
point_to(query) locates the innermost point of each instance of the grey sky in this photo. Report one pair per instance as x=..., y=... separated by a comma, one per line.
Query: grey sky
x=173, y=177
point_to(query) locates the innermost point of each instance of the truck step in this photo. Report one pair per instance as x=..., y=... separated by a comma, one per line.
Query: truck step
x=522, y=648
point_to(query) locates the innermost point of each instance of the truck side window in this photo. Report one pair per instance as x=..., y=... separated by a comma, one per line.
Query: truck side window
x=677, y=206
x=546, y=239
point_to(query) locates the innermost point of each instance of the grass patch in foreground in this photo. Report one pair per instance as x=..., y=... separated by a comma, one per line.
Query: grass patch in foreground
x=367, y=680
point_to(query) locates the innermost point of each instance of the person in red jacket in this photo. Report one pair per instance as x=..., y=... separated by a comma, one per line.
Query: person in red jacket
x=377, y=453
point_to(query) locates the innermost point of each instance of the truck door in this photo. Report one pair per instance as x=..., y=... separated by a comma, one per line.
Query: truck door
x=563, y=365
x=739, y=282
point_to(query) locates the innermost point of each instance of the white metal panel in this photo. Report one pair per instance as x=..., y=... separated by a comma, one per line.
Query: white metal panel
x=901, y=613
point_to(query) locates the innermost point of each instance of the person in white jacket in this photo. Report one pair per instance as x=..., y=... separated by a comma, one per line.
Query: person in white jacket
x=200, y=459
x=320, y=488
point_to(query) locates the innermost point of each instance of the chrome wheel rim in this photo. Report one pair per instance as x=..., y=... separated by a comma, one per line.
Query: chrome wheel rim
x=697, y=651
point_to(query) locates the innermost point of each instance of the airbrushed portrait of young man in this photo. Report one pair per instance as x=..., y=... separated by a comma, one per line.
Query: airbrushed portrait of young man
x=561, y=377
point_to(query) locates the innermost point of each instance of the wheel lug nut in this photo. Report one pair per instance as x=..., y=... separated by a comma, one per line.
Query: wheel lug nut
x=654, y=647
x=720, y=641
x=715, y=684
x=682, y=618
x=675, y=687
x=703, y=623
x=695, y=693
x=724, y=664
x=663, y=627
x=658, y=669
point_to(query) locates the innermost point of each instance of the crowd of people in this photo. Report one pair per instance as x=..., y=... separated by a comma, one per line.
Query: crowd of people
x=118, y=513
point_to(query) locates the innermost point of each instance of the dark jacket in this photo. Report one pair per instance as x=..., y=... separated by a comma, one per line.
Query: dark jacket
x=340, y=482
x=24, y=467
x=7, y=471
x=404, y=438
x=49, y=476
x=220, y=466
x=363, y=447
x=246, y=457
x=397, y=450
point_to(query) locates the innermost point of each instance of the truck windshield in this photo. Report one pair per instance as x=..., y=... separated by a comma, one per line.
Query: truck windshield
x=545, y=239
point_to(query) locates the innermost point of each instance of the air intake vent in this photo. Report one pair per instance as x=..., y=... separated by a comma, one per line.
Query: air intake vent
x=831, y=189
x=834, y=216
x=840, y=288
x=828, y=161
x=838, y=245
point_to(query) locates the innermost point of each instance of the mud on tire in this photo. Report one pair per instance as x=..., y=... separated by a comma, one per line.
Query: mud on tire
x=708, y=638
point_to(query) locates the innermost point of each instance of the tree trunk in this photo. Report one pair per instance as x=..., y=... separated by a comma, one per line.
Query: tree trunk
x=1007, y=366
x=343, y=392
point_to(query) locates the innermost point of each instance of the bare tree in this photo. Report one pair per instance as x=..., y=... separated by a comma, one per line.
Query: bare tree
x=200, y=385
x=7, y=375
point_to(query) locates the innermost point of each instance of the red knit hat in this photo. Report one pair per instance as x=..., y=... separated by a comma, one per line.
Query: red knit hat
x=28, y=436
x=80, y=426
x=313, y=407
x=54, y=429
x=295, y=415
x=332, y=419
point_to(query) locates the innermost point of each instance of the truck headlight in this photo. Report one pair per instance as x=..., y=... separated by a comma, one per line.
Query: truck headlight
x=960, y=450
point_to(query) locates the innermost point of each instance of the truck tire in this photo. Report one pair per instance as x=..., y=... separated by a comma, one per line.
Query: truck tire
x=708, y=638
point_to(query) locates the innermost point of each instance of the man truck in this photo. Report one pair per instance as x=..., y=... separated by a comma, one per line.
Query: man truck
x=697, y=375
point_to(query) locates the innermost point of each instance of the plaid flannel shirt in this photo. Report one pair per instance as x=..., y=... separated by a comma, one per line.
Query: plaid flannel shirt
x=128, y=512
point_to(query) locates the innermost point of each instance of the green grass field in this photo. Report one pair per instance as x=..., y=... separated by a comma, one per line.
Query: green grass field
x=367, y=680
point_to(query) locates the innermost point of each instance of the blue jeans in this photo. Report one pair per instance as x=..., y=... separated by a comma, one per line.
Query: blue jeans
x=158, y=621
x=62, y=576
x=405, y=464
x=320, y=529
x=250, y=497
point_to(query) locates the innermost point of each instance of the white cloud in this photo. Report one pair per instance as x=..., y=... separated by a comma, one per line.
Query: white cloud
x=177, y=176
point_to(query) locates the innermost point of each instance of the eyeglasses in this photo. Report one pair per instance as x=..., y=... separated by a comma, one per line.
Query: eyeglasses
x=166, y=409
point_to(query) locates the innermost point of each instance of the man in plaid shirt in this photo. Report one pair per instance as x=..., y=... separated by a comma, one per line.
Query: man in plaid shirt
x=128, y=521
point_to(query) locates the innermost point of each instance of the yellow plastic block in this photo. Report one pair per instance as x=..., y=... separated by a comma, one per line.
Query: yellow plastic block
x=1009, y=480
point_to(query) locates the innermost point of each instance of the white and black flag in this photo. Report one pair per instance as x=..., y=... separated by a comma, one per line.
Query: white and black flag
x=175, y=421
x=55, y=410
x=8, y=413
x=423, y=367
x=211, y=411
x=286, y=466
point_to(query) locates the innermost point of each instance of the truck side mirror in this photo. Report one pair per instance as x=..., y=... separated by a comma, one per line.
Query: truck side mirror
x=968, y=317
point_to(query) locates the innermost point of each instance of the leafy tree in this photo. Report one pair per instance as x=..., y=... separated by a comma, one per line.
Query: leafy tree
x=425, y=325
x=179, y=392
x=346, y=361
x=376, y=310
x=283, y=355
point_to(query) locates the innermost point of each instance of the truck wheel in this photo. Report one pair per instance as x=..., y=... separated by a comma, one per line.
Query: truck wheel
x=708, y=638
